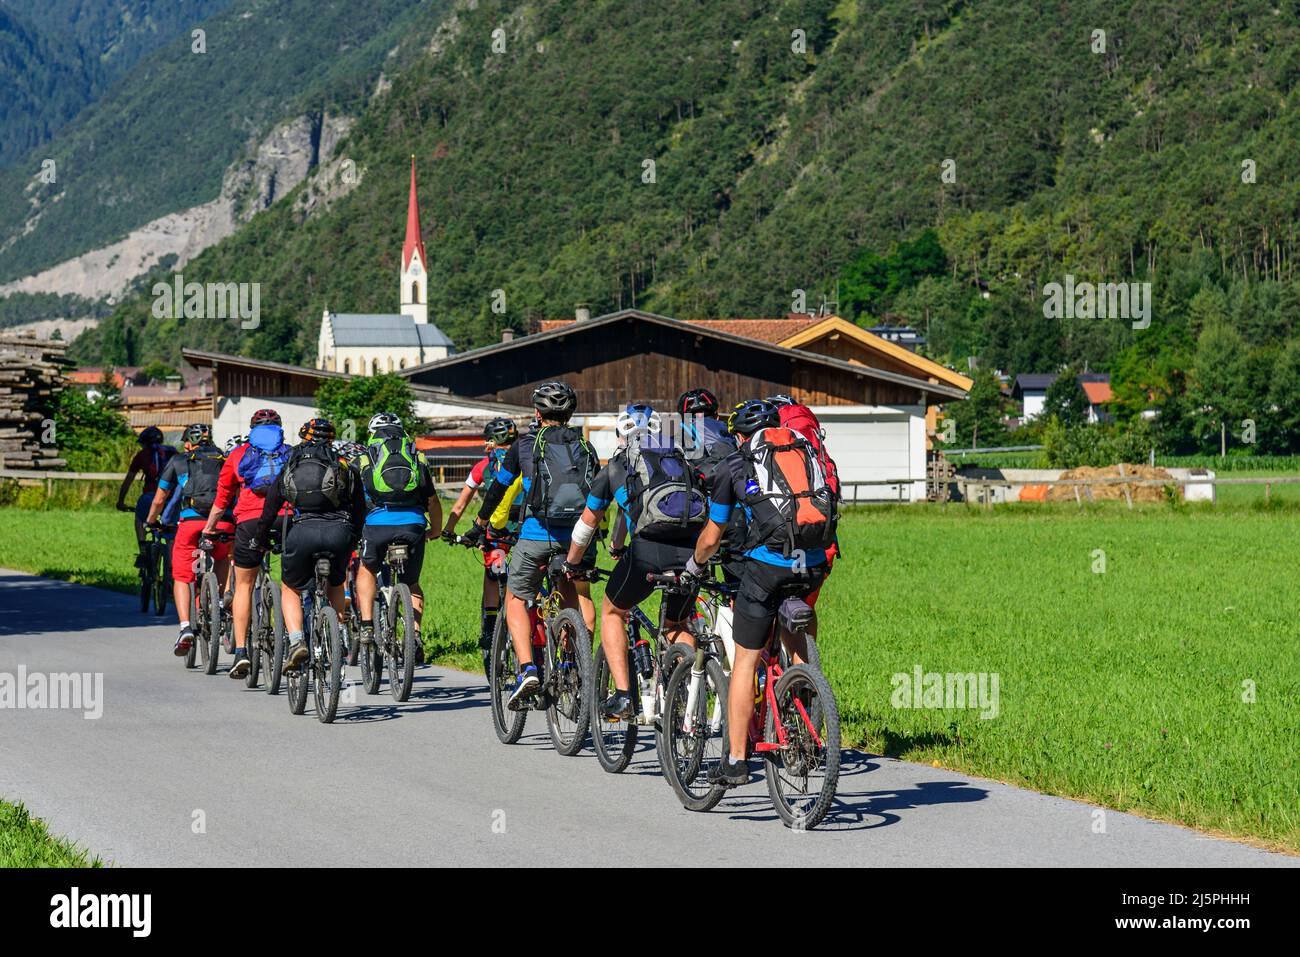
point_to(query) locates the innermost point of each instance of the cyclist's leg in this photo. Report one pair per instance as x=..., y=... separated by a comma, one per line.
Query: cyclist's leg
x=184, y=548
x=754, y=612
x=248, y=560
x=528, y=561
x=297, y=569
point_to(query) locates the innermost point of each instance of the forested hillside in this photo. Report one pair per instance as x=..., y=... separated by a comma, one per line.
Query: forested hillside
x=160, y=140
x=1163, y=152
x=56, y=56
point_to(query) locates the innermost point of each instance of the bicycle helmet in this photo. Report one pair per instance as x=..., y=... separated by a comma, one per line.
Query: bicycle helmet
x=265, y=417
x=383, y=420
x=638, y=417
x=780, y=399
x=501, y=431
x=555, y=400
x=697, y=401
x=751, y=415
x=234, y=442
x=200, y=433
x=150, y=436
x=317, y=430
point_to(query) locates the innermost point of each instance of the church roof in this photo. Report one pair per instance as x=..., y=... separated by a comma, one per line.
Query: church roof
x=413, y=241
x=360, y=329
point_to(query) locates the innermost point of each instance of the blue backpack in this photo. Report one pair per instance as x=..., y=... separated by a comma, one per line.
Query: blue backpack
x=264, y=458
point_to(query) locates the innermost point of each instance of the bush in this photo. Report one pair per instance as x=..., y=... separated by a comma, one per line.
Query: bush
x=1067, y=447
x=92, y=436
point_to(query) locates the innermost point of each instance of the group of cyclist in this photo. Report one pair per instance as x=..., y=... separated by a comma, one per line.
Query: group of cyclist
x=752, y=493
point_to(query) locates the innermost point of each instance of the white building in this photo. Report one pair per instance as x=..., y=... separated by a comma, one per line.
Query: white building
x=368, y=344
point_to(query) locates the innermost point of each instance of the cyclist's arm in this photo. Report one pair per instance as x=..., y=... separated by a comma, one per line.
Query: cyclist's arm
x=722, y=502
x=583, y=532
x=159, y=503
x=458, y=507
x=132, y=471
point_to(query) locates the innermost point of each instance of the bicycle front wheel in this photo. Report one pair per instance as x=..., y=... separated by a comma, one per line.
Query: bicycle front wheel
x=327, y=664
x=568, y=682
x=210, y=622
x=275, y=641
x=161, y=581
x=803, y=774
x=694, y=732
x=298, y=678
x=191, y=656
x=614, y=741
x=405, y=639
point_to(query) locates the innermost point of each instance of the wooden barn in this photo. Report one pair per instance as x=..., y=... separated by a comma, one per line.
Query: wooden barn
x=875, y=417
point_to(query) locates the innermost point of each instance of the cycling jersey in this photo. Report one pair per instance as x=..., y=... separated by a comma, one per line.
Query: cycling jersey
x=150, y=462
x=506, y=514
x=174, y=476
x=728, y=494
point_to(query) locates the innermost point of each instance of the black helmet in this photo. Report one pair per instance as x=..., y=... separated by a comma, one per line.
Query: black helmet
x=555, y=400
x=317, y=430
x=751, y=415
x=200, y=433
x=151, y=436
x=501, y=431
x=695, y=401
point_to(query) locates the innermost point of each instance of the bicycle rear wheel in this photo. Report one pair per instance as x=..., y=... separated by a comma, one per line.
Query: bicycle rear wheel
x=568, y=682
x=327, y=663
x=298, y=678
x=192, y=655
x=210, y=622
x=614, y=741
x=161, y=581
x=509, y=725
x=695, y=732
x=401, y=626
x=253, y=640
x=802, y=775
x=276, y=640
x=146, y=581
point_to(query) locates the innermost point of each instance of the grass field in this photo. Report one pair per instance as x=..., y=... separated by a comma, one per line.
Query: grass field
x=24, y=842
x=1146, y=660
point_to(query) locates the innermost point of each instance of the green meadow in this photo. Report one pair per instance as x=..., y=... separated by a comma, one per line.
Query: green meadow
x=1145, y=660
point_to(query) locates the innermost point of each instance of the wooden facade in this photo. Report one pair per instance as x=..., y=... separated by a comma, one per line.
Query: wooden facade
x=636, y=356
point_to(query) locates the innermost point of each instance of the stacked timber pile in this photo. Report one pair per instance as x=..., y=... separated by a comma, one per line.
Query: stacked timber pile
x=31, y=378
x=1139, y=493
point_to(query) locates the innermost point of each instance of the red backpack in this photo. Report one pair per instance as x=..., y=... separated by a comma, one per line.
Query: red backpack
x=791, y=505
x=801, y=419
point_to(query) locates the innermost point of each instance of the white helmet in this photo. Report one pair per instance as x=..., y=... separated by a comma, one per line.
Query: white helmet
x=638, y=417
x=383, y=420
x=233, y=443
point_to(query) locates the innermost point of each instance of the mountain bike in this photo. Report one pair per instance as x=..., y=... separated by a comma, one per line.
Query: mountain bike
x=496, y=581
x=396, y=637
x=561, y=638
x=266, y=639
x=651, y=660
x=323, y=669
x=354, y=611
x=156, y=569
x=207, y=614
x=795, y=727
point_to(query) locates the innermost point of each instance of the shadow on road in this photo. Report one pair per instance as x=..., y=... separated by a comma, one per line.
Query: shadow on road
x=33, y=606
x=863, y=810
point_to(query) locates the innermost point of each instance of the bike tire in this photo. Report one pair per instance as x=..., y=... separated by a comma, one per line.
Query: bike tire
x=568, y=683
x=253, y=640
x=298, y=679
x=161, y=583
x=191, y=656
x=401, y=673
x=372, y=667
x=685, y=759
x=278, y=640
x=677, y=652
x=800, y=808
x=509, y=725
x=146, y=588
x=613, y=741
x=327, y=664
x=211, y=599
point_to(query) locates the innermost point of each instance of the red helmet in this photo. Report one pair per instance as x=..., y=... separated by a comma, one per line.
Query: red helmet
x=696, y=401
x=265, y=417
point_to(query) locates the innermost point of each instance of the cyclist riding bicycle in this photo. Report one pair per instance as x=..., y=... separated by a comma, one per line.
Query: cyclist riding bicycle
x=246, y=477
x=664, y=507
x=194, y=473
x=147, y=463
x=498, y=435
x=399, y=491
x=319, y=498
x=557, y=466
x=791, y=518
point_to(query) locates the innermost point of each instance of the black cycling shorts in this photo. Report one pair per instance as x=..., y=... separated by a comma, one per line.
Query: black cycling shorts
x=306, y=538
x=762, y=589
x=375, y=540
x=245, y=555
x=627, y=585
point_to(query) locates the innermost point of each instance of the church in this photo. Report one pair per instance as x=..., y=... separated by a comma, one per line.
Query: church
x=362, y=344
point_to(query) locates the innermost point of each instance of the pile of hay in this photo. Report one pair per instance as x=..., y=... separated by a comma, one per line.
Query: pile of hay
x=1140, y=493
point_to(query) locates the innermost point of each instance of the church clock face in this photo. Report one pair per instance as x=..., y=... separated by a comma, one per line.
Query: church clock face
x=415, y=267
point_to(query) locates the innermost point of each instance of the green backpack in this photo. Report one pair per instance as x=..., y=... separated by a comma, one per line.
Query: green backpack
x=391, y=471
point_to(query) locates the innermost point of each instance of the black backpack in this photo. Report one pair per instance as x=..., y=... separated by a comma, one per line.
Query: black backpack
x=315, y=479
x=564, y=465
x=664, y=498
x=707, y=445
x=203, y=468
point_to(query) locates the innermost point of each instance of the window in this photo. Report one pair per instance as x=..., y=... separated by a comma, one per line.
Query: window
x=415, y=292
x=401, y=364
x=374, y=367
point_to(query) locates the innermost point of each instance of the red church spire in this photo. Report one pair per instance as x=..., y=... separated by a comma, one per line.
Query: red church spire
x=413, y=241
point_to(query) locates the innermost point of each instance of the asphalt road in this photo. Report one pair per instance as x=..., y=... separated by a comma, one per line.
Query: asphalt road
x=185, y=769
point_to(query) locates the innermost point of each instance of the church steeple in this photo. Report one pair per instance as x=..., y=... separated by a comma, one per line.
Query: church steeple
x=415, y=264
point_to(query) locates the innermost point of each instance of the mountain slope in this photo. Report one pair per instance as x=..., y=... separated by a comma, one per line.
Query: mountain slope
x=43, y=84
x=774, y=169
x=161, y=140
